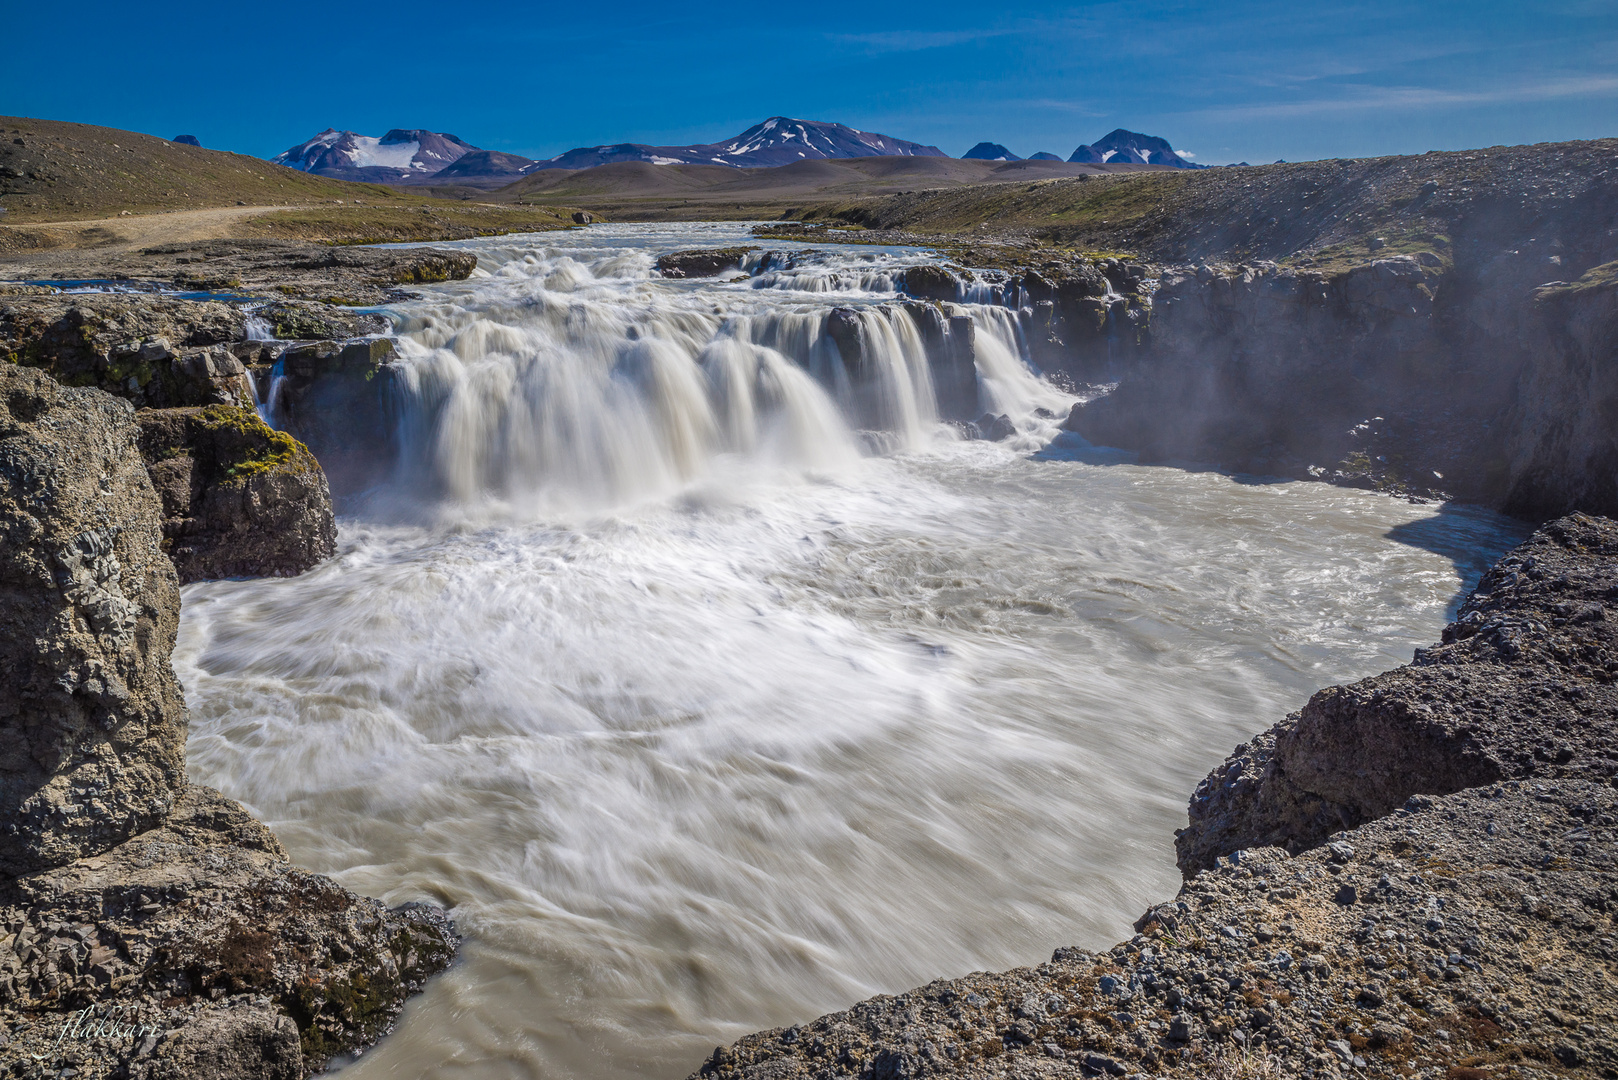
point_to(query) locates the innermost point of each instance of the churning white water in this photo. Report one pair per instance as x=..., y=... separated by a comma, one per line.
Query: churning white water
x=713, y=685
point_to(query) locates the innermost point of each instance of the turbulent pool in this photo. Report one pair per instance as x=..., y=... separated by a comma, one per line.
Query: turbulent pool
x=713, y=684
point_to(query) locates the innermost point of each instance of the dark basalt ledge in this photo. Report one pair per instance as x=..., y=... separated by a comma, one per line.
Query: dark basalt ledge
x=124, y=890
x=1466, y=932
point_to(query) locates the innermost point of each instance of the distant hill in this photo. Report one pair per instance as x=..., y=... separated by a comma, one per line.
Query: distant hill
x=399, y=156
x=988, y=151
x=1122, y=147
x=187, y=140
x=52, y=170
x=1043, y=155
x=780, y=140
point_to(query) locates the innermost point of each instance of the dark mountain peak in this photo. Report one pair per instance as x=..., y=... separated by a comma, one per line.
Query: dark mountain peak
x=779, y=140
x=1121, y=146
x=1043, y=155
x=988, y=151
x=186, y=140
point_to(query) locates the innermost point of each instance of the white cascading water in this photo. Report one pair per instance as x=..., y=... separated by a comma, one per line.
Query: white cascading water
x=713, y=685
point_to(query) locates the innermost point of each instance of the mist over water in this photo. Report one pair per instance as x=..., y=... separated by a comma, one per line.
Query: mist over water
x=713, y=686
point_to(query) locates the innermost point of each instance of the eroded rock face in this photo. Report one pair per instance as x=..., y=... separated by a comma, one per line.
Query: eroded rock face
x=92, y=724
x=155, y=351
x=239, y=498
x=243, y=965
x=1524, y=684
x=1404, y=374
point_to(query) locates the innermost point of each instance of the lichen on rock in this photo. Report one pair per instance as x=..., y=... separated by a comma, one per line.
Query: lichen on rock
x=240, y=499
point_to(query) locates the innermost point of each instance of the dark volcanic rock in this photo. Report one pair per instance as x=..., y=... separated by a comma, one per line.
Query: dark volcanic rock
x=1525, y=684
x=240, y=964
x=334, y=400
x=155, y=351
x=303, y=320
x=704, y=262
x=92, y=719
x=239, y=498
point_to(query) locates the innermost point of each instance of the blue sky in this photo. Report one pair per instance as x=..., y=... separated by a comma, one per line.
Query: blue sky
x=1227, y=81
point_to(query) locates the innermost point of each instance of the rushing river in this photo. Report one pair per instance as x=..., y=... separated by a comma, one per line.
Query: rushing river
x=713, y=689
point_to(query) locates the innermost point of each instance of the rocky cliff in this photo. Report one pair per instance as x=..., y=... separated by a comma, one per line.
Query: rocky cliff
x=1447, y=908
x=1406, y=374
x=148, y=928
x=94, y=747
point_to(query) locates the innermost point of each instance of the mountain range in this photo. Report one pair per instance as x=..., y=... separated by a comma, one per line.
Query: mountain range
x=415, y=156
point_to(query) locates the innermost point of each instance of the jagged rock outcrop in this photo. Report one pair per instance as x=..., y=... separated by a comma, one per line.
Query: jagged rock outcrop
x=1524, y=684
x=148, y=929
x=242, y=965
x=156, y=351
x=703, y=262
x=240, y=499
x=1464, y=934
x=93, y=747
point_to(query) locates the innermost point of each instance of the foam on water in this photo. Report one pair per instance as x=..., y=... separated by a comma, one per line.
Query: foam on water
x=702, y=717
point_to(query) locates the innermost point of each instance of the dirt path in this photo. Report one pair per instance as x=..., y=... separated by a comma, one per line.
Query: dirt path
x=144, y=230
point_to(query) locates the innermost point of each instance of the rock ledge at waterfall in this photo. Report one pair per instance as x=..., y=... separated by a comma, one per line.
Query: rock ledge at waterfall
x=148, y=928
x=1459, y=924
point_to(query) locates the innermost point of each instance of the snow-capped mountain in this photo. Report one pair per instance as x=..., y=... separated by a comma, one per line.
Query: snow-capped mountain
x=401, y=154
x=1122, y=147
x=989, y=151
x=780, y=140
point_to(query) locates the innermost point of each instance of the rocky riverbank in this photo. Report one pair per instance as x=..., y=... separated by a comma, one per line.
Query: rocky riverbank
x=1448, y=911
x=148, y=927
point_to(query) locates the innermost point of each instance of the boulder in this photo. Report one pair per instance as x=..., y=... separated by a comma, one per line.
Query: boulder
x=1524, y=684
x=705, y=262
x=581, y=217
x=91, y=714
x=242, y=965
x=930, y=282
x=240, y=499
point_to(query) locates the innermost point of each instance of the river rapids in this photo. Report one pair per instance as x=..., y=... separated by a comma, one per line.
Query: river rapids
x=713, y=684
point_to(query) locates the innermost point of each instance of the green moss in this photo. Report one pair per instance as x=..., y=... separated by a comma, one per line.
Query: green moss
x=245, y=445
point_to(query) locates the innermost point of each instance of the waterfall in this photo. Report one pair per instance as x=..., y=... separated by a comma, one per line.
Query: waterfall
x=583, y=380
